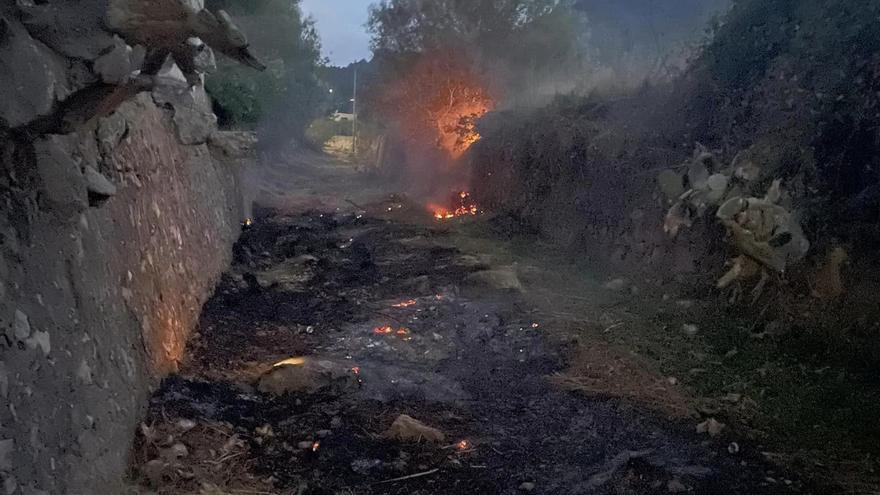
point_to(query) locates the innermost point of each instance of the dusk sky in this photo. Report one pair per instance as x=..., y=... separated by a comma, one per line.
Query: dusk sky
x=341, y=26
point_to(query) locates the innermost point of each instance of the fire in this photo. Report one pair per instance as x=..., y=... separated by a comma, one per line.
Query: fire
x=315, y=446
x=294, y=361
x=463, y=445
x=465, y=206
x=248, y=222
x=405, y=304
x=402, y=332
x=439, y=100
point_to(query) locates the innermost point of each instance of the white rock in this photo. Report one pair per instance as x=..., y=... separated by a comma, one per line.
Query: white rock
x=41, y=340
x=10, y=484
x=527, y=486
x=617, y=284
x=84, y=372
x=710, y=426
x=690, y=329
x=186, y=424
x=21, y=326
x=97, y=184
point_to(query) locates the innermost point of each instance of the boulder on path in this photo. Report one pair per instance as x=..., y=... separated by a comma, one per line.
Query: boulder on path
x=408, y=429
x=307, y=375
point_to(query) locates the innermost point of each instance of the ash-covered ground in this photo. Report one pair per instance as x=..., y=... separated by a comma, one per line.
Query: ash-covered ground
x=373, y=316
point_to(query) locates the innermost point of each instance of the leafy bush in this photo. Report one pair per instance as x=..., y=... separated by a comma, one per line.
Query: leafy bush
x=285, y=98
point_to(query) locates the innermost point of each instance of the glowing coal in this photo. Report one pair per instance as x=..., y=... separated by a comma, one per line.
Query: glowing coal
x=463, y=205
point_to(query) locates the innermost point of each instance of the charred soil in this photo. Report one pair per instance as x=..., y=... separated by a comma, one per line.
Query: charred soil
x=370, y=318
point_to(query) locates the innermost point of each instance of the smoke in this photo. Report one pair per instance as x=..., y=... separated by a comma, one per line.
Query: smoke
x=623, y=44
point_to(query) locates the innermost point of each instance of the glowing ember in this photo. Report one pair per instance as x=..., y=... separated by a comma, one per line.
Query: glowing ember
x=403, y=331
x=406, y=304
x=383, y=330
x=465, y=207
x=535, y=325
x=316, y=446
x=294, y=361
x=248, y=222
x=463, y=445
x=356, y=370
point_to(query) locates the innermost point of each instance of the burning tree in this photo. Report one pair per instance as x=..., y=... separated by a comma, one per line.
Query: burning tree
x=438, y=100
x=445, y=63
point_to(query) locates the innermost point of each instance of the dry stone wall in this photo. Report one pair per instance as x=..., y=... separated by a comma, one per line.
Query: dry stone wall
x=118, y=207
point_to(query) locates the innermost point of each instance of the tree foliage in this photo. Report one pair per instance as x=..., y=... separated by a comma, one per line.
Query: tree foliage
x=287, y=96
x=444, y=63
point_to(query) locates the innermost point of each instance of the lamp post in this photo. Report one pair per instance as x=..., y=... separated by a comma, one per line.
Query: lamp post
x=354, y=115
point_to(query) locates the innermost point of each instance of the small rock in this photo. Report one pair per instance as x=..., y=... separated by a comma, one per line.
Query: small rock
x=690, y=329
x=672, y=380
x=39, y=78
x=675, y=486
x=10, y=484
x=732, y=398
x=153, y=470
x=502, y=278
x=527, y=486
x=710, y=426
x=6, y=449
x=110, y=132
x=365, y=466
x=41, y=340
x=233, y=143
x=175, y=452
x=61, y=181
x=323, y=433
x=4, y=381
x=21, y=326
x=186, y=424
x=307, y=375
x=733, y=448
x=115, y=66
x=84, y=372
x=305, y=445
x=616, y=285
x=203, y=57
x=97, y=184
x=408, y=429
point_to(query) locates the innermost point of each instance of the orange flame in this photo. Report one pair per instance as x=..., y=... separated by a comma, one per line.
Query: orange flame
x=405, y=304
x=466, y=207
x=439, y=100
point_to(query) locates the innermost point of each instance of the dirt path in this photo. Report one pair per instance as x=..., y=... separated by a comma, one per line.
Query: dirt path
x=378, y=317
